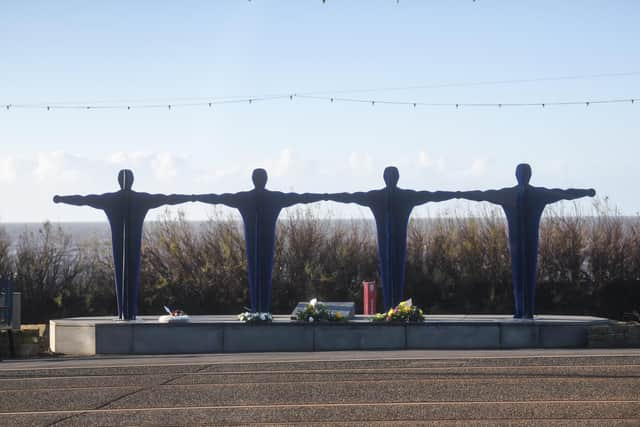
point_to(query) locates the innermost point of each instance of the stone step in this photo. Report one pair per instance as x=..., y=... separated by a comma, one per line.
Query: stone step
x=326, y=392
x=419, y=413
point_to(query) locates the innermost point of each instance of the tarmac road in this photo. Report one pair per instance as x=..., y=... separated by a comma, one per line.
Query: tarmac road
x=441, y=388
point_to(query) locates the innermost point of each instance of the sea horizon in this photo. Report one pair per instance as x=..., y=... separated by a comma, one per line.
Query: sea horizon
x=81, y=231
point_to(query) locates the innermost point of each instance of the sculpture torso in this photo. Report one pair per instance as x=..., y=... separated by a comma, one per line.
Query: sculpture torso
x=260, y=210
x=523, y=207
x=125, y=211
x=391, y=208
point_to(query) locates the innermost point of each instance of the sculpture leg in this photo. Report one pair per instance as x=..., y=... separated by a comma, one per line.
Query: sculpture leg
x=128, y=297
x=127, y=303
x=133, y=300
x=132, y=284
x=252, y=273
x=265, y=271
x=117, y=263
x=396, y=288
x=518, y=296
x=252, y=277
x=387, y=285
x=530, y=286
x=385, y=270
x=253, y=291
x=398, y=268
x=517, y=284
x=264, y=292
x=119, y=301
x=260, y=286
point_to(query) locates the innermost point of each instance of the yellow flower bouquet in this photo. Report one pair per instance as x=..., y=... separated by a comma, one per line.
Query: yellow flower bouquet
x=403, y=312
x=315, y=311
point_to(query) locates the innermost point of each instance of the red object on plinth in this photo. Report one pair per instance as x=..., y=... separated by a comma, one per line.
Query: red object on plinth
x=369, y=297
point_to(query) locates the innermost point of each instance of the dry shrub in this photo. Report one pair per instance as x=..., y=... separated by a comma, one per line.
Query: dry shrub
x=562, y=267
x=459, y=263
x=95, y=284
x=5, y=256
x=613, y=257
x=588, y=264
x=199, y=271
x=350, y=256
x=320, y=258
x=301, y=238
x=46, y=266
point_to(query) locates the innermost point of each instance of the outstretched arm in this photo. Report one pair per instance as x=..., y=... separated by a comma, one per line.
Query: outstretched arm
x=552, y=195
x=228, y=199
x=157, y=200
x=498, y=197
x=360, y=198
x=420, y=197
x=93, y=200
x=288, y=199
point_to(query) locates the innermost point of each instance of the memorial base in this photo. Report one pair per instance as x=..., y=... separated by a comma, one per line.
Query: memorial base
x=225, y=334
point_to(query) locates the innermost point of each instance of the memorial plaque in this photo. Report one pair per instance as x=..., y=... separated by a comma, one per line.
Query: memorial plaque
x=346, y=309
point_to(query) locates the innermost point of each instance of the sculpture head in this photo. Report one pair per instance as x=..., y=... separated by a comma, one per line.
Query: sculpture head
x=125, y=179
x=523, y=173
x=391, y=176
x=259, y=178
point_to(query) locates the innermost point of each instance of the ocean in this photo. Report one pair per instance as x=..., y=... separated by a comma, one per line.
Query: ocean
x=81, y=232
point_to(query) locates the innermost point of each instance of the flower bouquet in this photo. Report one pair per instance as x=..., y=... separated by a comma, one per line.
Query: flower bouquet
x=316, y=311
x=403, y=312
x=255, y=317
x=174, y=316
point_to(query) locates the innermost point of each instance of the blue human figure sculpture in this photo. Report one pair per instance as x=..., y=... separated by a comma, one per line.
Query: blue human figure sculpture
x=125, y=210
x=523, y=205
x=391, y=207
x=259, y=209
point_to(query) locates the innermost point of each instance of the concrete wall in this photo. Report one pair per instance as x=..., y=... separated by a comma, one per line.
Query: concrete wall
x=614, y=335
x=87, y=338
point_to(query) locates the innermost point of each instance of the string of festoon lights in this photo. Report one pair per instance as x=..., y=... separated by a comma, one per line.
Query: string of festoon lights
x=397, y=1
x=342, y=96
x=211, y=103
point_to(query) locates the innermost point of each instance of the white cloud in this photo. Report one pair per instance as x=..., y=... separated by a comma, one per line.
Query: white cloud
x=129, y=159
x=8, y=170
x=118, y=158
x=55, y=166
x=478, y=167
x=425, y=160
x=360, y=163
x=230, y=173
x=559, y=168
x=282, y=165
x=164, y=166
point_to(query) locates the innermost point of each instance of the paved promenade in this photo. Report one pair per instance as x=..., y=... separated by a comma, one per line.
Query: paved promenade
x=440, y=388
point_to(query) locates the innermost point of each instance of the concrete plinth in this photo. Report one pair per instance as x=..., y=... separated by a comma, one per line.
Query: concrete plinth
x=224, y=334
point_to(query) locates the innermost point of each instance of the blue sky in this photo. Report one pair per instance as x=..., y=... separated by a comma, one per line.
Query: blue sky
x=119, y=53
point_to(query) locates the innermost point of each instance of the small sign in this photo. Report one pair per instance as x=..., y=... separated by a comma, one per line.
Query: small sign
x=346, y=309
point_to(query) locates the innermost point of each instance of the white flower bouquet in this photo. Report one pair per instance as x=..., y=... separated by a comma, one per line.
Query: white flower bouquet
x=174, y=316
x=254, y=317
x=316, y=311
